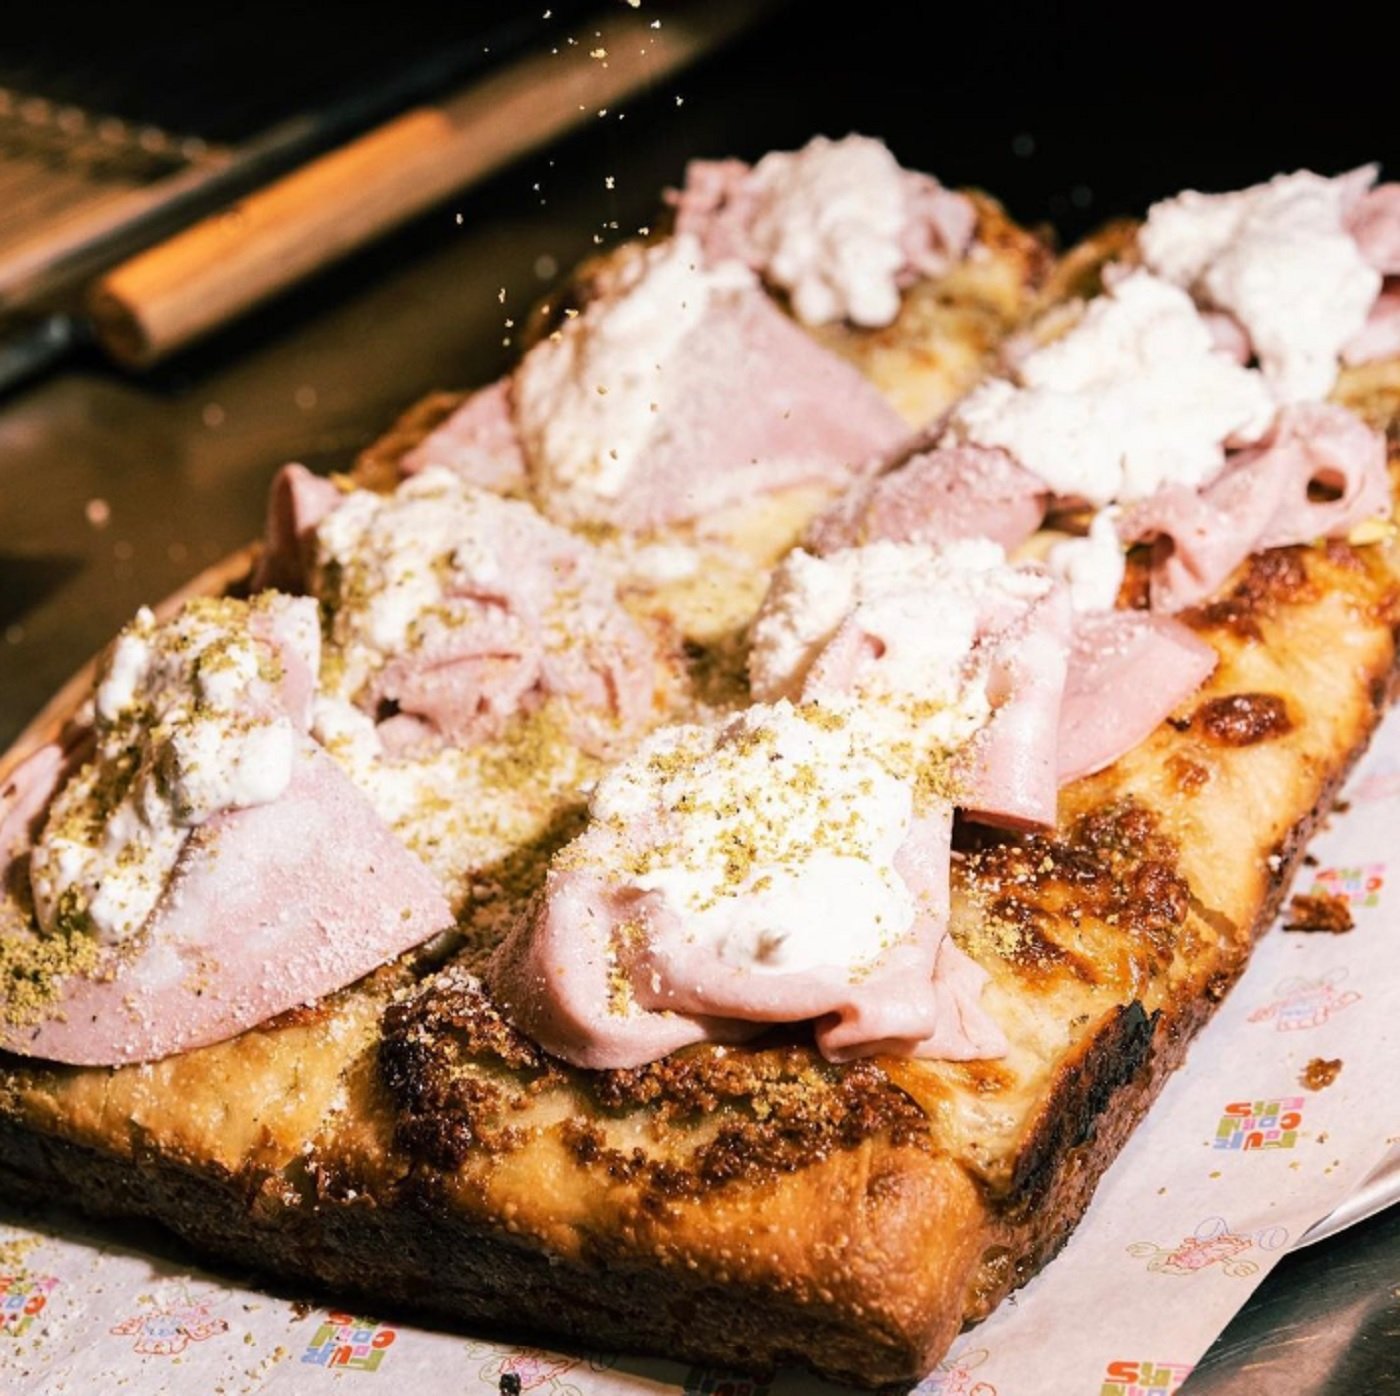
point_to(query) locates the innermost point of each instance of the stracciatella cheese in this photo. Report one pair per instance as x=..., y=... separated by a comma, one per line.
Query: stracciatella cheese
x=590, y=397
x=188, y=722
x=1133, y=397
x=1093, y=566
x=1279, y=258
x=915, y=615
x=388, y=566
x=829, y=228
x=769, y=841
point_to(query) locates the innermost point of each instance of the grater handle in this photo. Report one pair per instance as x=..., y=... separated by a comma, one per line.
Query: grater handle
x=223, y=266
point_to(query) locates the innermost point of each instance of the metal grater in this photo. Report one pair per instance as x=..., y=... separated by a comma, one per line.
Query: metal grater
x=70, y=178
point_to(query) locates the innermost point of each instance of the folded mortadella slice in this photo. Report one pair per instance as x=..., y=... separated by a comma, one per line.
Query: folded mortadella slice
x=1264, y=499
x=1012, y=775
x=296, y=503
x=937, y=496
x=477, y=442
x=1374, y=221
x=1380, y=335
x=269, y=908
x=558, y=977
x=752, y=406
x=838, y=226
x=1128, y=670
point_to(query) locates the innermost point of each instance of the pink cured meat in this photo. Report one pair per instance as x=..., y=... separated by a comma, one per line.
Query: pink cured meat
x=719, y=203
x=1380, y=335
x=296, y=503
x=500, y=652
x=1262, y=501
x=1128, y=670
x=510, y=643
x=1012, y=776
x=937, y=497
x=477, y=442
x=761, y=408
x=1374, y=221
x=556, y=978
x=269, y=908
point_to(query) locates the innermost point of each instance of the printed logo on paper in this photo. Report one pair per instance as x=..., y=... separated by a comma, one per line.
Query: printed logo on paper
x=1260, y=1124
x=1360, y=884
x=22, y=1299
x=1213, y=1242
x=166, y=1330
x=1143, y=1378
x=350, y=1342
x=1306, y=1003
x=956, y=1376
x=1381, y=784
x=523, y=1369
x=707, y=1381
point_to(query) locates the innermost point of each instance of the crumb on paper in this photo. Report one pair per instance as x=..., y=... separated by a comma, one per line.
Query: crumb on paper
x=1320, y=1073
x=1329, y=912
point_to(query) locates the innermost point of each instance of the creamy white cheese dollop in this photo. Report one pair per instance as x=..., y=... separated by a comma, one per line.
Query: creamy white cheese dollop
x=590, y=398
x=389, y=563
x=770, y=840
x=189, y=721
x=1132, y=397
x=1092, y=566
x=1279, y=258
x=828, y=227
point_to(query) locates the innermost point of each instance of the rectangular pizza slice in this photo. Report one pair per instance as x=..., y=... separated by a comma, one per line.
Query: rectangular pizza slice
x=747, y=1195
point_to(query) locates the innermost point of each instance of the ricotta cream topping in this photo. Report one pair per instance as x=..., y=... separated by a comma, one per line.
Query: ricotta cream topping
x=828, y=227
x=1133, y=397
x=770, y=840
x=1279, y=258
x=1093, y=566
x=589, y=399
x=188, y=722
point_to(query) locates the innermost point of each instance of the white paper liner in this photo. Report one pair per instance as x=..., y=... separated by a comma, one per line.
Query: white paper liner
x=1236, y=1164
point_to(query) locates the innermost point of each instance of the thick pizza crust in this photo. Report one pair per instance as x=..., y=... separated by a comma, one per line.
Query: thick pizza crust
x=758, y=1206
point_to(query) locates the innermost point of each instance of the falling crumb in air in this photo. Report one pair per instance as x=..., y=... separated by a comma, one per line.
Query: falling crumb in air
x=459, y=216
x=609, y=182
x=98, y=513
x=599, y=53
x=501, y=295
x=545, y=266
x=213, y=415
x=306, y=397
x=680, y=101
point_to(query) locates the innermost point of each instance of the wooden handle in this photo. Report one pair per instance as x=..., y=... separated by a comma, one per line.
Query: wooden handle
x=200, y=279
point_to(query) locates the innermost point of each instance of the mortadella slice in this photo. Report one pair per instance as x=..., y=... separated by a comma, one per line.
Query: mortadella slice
x=1128, y=670
x=478, y=442
x=1264, y=499
x=1374, y=221
x=269, y=908
x=1013, y=779
x=558, y=977
x=937, y=496
x=296, y=503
